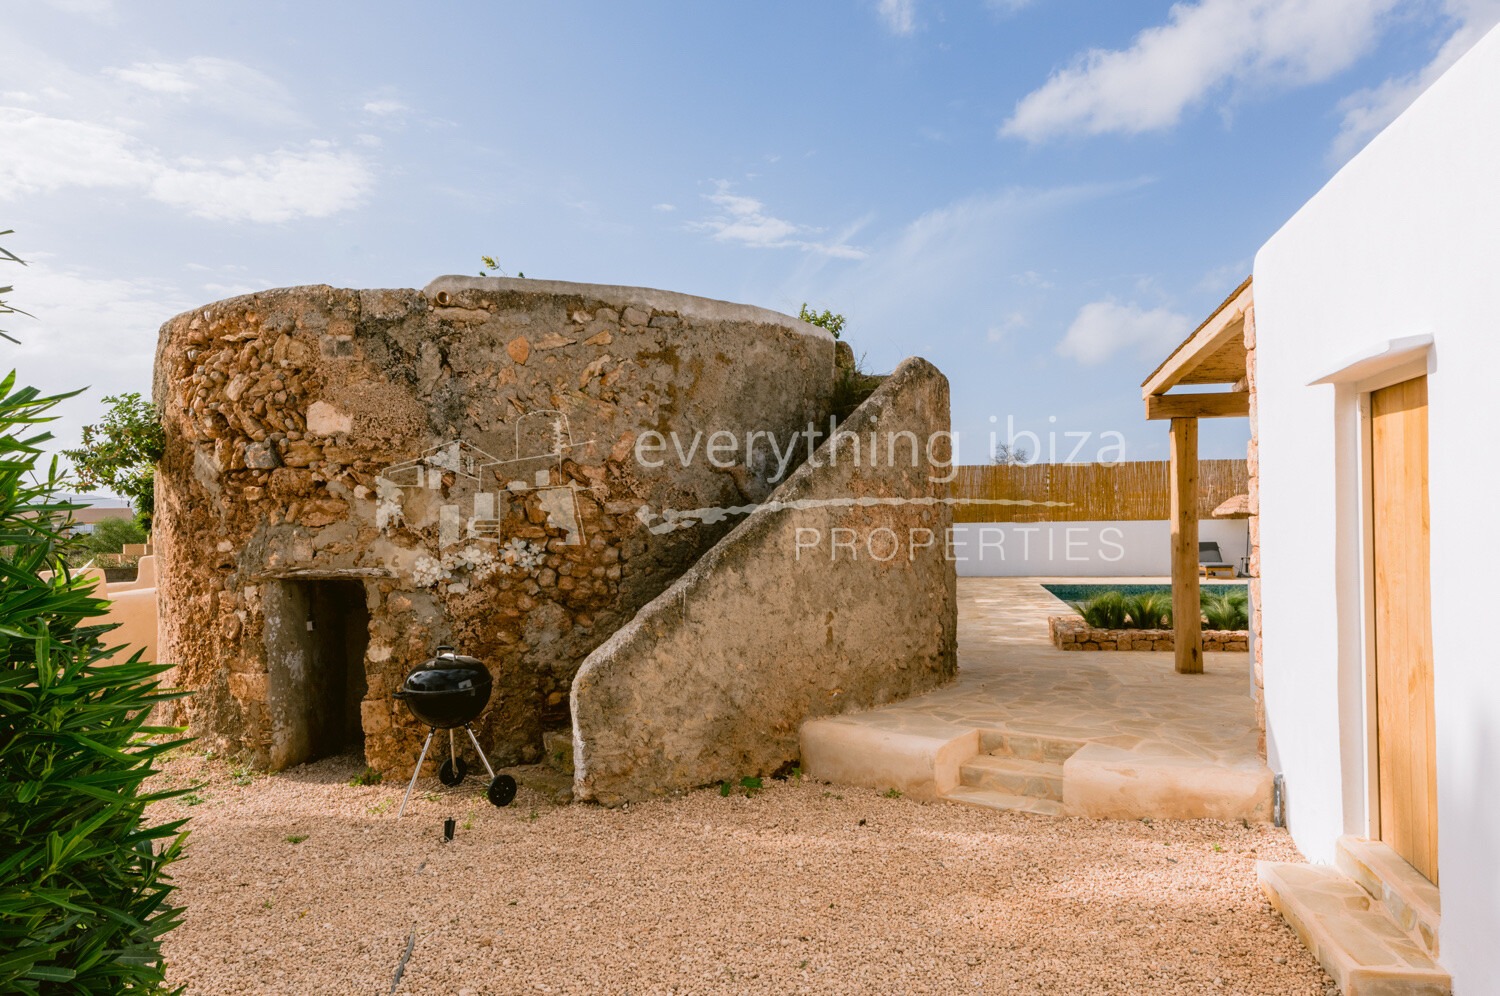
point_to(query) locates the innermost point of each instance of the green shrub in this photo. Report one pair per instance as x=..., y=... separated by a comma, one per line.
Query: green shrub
x=852, y=387
x=1150, y=610
x=1153, y=610
x=1105, y=611
x=111, y=535
x=826, y=320
x=84, y=891
x=1226, y=610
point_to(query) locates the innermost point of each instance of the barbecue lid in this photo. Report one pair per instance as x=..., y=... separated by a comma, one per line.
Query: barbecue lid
x=447, y=672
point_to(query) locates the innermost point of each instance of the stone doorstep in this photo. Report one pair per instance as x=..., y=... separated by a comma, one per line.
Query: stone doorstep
x=1352, y=935
x=1412, y=901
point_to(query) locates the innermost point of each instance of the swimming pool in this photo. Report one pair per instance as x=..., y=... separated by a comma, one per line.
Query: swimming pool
x=1083, y=592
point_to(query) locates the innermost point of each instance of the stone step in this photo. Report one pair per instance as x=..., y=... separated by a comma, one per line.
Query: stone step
x=1013, y=776
x=1350, y=933
x=1027, y=746
x=1410, y=899
x=990, y=799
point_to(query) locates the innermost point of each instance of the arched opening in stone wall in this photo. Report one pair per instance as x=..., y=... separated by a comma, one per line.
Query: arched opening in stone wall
x=316, y=636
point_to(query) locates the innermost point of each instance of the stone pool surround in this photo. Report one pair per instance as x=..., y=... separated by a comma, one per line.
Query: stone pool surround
x=1074, y=633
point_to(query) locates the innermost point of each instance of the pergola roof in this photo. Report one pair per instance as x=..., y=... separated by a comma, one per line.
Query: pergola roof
x=1213, y=354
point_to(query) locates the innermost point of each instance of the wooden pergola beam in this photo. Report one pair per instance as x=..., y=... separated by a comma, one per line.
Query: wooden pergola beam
x=1233, y=404
x=1223, y=328
x=1187, y=623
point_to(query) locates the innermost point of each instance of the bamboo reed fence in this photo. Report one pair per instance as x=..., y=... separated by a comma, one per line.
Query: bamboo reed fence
x=1087, y=492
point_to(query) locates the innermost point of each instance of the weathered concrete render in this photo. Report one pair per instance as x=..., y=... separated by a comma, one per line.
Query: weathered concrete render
x=713, y=679
x=462, y=460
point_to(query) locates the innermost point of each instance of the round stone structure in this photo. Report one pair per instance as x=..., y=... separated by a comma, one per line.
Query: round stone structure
x=353, y=477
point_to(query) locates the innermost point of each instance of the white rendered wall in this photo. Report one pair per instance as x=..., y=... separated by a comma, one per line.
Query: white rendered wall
x=1405, y=241
x=1082, y=549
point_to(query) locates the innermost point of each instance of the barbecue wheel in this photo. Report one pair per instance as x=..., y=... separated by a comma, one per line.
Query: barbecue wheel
x=451, y=775
x=502, y=790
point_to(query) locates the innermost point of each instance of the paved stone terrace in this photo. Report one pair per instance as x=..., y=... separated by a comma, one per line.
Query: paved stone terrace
x=1153, y=742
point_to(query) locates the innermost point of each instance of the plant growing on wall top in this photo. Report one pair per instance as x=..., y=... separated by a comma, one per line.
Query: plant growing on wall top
x=825, y=319
x=492, y=266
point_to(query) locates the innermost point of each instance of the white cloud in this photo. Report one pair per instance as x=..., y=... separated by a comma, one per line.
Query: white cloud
x=282, y=186
x=1031, y=278
x=1368, y=111
x=744, y=220
x=898, y=16
x=156, y=77
x=222, y=85
x=1204, y=47
x=1012, y=323
x=1104, y=328
x=385, y=107
x=665, y=208
x=46, y=154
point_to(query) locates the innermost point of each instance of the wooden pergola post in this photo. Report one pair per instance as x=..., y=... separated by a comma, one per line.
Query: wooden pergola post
x=1187, y=623
x=1213, y=354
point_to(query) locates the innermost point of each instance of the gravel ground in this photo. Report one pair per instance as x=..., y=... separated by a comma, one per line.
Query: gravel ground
x=301, y=883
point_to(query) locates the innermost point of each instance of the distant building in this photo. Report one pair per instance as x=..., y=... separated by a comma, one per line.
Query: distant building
x=98, y=508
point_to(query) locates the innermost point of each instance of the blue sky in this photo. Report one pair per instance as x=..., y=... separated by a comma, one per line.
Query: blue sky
x=1040, y=196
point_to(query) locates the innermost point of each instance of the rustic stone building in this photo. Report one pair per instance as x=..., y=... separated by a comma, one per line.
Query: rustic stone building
x=355, y=476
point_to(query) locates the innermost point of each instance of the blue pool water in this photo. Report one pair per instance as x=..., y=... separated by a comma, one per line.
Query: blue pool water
x=1083, y=592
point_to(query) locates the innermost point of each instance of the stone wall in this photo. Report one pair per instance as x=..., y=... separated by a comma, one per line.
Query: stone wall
x=1073, y=633
x=776, y=624
x=466, y=456
x=1252, y=464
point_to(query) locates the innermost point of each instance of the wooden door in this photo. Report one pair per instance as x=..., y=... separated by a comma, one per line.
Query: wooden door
x=1405, y=741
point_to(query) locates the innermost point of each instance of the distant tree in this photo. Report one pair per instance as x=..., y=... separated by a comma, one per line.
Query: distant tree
x=111, y=535
x=121, y=452
x=823, y=320
x=6, y=256
x=1009, y=455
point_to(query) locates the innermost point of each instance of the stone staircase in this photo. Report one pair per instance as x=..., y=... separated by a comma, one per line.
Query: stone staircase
x=1015, y=772
x=1371, y=919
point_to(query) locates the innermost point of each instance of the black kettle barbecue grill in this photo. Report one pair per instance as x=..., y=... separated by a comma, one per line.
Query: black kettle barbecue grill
x=447, y=692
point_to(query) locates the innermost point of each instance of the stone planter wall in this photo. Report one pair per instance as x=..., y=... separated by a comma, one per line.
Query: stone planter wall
x=1073, y=633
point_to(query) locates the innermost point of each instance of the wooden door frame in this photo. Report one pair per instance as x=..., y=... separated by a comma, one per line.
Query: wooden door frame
x=1415, y=367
